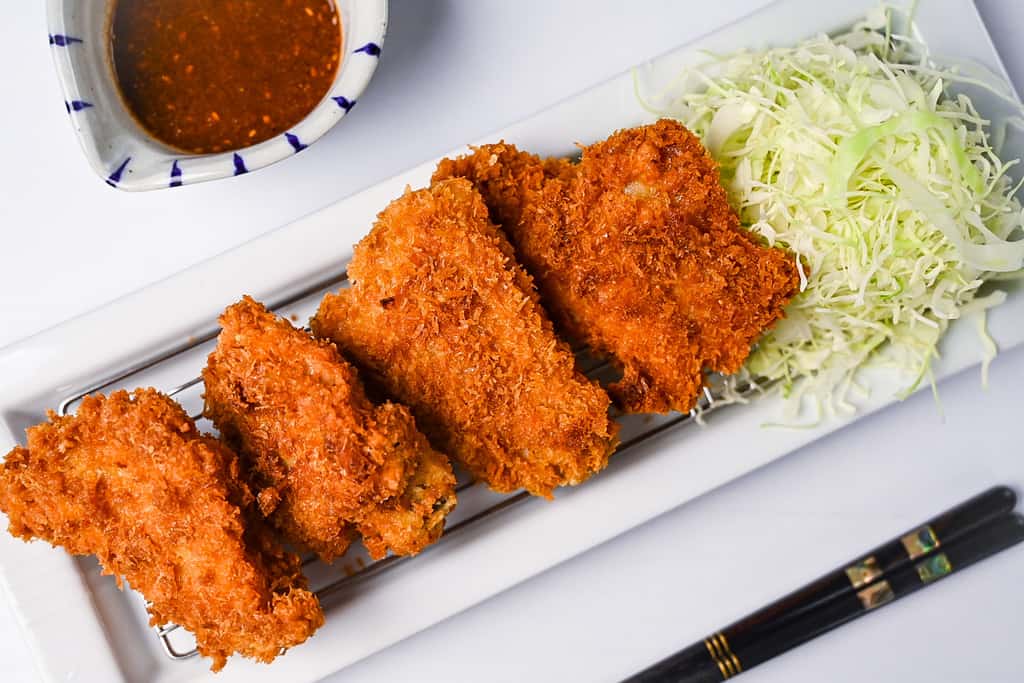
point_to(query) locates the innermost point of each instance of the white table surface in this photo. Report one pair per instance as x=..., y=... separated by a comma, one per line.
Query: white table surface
x=451, y=72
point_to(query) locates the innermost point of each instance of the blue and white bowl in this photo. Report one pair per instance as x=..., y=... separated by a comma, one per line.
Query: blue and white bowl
x=129, y=158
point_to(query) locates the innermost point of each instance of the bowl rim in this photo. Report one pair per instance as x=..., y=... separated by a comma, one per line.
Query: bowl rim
x=147, y=163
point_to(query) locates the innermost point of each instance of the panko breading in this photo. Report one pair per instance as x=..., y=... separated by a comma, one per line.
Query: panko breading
x=442, y=315
x=637, y=252
x=130, y=480
x=327, y=463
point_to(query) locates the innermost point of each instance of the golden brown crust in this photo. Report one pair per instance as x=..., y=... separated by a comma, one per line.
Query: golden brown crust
x=130, y=480
x=328, y=465
x=637, y=252
x=440, y=312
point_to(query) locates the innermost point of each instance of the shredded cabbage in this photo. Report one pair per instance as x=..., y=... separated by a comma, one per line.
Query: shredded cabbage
x=852, y=155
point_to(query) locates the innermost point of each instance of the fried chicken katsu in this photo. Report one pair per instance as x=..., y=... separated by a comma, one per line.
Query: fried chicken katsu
x=443, y=317
x=636, y=252
x=130, y=480
x=327, y=464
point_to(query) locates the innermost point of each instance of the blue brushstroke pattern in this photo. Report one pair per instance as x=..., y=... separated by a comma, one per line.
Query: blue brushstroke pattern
x=175, y=175
x=77, y=105
x=62, y=40
x=345, y=103
x=372, y=49
x=240, y=165
x=294, y=141
x=114, y=178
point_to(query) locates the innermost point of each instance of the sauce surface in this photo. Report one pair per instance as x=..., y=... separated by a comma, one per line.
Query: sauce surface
x=209, y=76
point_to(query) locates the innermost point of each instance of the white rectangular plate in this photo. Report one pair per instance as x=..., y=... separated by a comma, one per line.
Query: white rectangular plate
x=79, y=625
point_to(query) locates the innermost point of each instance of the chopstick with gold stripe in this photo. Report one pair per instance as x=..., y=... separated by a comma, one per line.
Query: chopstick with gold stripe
x=957, y=538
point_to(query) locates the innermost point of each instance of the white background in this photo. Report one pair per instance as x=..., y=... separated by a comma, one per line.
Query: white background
x=451, y=72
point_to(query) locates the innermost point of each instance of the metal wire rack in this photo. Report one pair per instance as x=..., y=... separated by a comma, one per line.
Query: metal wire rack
x=331, y=581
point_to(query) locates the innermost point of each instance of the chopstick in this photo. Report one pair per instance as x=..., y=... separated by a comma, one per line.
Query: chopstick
x=954, y=540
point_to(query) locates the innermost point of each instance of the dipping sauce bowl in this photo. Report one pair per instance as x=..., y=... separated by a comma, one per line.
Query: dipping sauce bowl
x=127, y=156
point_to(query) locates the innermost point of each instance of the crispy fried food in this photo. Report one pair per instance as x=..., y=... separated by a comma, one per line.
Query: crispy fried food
x=130, y=480
x=637, y=252
x=328, y=465
x=448, y=322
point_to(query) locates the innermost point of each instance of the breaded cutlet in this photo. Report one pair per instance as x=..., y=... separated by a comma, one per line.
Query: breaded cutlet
x=130, y=479
x=327, y=464
x=440, y=313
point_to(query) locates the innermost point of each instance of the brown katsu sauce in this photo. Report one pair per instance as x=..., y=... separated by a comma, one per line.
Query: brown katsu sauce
x=209, y=76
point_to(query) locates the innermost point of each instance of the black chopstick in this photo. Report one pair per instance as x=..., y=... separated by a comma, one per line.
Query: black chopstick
x=950, y=542
x=858, y=574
